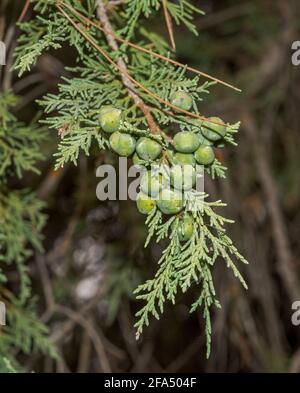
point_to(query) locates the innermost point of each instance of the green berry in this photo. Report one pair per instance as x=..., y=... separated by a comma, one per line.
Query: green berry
x=186, y=142
x=205, y=155
x=212, y=131
x=185, y=228
x=204, y=141
x=136, y=160
x=184, y=159
x=148, y=149
x=183, y=177
x=123, y=144
x=182, y=100
x=110, y=118
x=170, y=201
x=144, y=203
x=151, y=183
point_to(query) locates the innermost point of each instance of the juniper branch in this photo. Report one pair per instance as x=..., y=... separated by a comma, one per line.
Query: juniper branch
x=108, y=30
x=138, y=84
x=150, y=52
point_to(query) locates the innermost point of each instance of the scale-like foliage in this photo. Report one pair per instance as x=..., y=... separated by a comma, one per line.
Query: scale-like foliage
x=100, y=79
x=21, y=222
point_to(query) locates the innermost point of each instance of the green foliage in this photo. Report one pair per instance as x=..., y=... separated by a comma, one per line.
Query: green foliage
x=183, y=264
x=21, y=222
x=19, y=144
x=95, y=82
x=182, y=12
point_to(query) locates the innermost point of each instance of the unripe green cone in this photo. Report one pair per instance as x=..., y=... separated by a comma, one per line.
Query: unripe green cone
x=110, y=118
x=204, y=141
x=183, y=177
x=205, y=155
x=212, y=131
x=136, y=160
x=184, y=159
x=186, y=142
x=151, y=183
x=144, y=203
x=182, y=99
x=170, y=201
x=148, y=149
x=185, y=228
x=123, y=144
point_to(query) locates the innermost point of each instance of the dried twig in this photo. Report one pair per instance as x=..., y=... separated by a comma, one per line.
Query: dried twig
x=102, y=15
x=90, y=329
x=46, y=282
x=148, y=51
x=68, y=325
x=24, y=11
x=169, y=23
x=84, y=353
x=138, y=84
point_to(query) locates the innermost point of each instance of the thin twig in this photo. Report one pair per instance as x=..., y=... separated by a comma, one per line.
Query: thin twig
x=169, y=23
x=84, y=353
x=24, y=11
x=46, y=282
x=90, y=329
x=141, y=86
x=67, y=326
x=102, y=15
x=150, y=52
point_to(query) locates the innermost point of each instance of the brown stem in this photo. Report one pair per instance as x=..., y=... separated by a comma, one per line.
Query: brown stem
x=131, y=79
x=108, y=31
x=148, y=51
x=169, y=24
x=24, y=11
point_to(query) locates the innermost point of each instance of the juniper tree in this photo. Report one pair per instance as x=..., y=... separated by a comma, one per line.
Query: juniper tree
x=128, y=94
x=21, y=222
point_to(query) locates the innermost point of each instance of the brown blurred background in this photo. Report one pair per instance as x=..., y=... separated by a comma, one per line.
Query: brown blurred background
x=94, y=251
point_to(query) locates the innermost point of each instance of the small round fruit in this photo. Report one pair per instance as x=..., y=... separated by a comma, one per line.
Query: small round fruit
x=136, y=160
x=205, y=155
x=170, y=201
x=144, y=203
x=185, y=228
x=213, y=131
x=182, y=100
x=204, y=141
x=148, y=149
x=151, y=183
x=184, y=159
x=123, y=144
x=110, y=118
x=183, y=177
x=186, y=142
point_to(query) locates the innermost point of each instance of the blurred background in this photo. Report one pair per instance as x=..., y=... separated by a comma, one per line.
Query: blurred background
x=94, y=255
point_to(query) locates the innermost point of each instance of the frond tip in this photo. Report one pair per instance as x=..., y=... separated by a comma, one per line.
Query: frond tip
x=183, y=265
